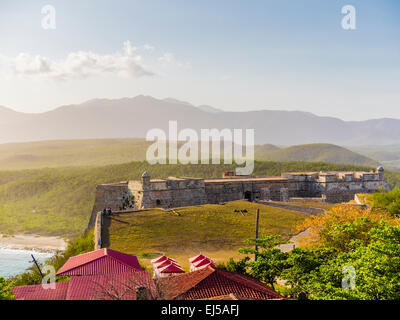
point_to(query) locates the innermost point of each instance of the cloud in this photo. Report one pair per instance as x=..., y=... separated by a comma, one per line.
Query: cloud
x=128, y=49
x=80, y=65
x=168, y=58
x=148, y=47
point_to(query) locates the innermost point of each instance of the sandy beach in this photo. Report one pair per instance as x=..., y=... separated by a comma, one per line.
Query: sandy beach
x=31, y=241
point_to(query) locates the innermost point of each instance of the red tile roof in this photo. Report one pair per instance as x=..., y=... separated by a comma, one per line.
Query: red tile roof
x=224, y=297
x=209, y=282
x=197, y=258
x=109, y=287
x=120, y=286
x=103, y=261
x=37, y=292
x=165, y=263
x=203, y=263
x=160, y=259
x=107, y=274
x=171, y=268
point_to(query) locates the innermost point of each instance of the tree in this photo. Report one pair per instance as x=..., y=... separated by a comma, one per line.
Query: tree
x=301, y=266
x=376, y=266
x=239, y=266
x=357, y=259
x=342, y=225
x=269, y=261
x=5, y=290
x=389, y=201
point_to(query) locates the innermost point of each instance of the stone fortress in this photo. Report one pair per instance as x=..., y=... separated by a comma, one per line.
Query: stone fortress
x=332, y=187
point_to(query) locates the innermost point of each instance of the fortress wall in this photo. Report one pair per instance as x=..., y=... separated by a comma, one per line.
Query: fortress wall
x=172, y=198
x=340, y=195
x=218, y=192
x=107, y=195
x=169, y=193
x=179, y=192
x=113, y=196
x=223, y=192
x=345, y=191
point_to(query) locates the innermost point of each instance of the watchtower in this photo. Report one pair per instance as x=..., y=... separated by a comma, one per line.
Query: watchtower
x=146, y=180
x=381, y=173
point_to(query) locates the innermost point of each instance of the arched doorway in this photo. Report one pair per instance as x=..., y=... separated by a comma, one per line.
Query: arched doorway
x=248, y=196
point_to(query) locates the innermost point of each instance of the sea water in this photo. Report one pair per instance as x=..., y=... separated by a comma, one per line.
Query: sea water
x=15, y=261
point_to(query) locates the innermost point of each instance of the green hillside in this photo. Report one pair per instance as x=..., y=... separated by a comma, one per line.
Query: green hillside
x=58, y=201
x=315, y=152
x=100, y=152
x=63, y=153
x=387, y=155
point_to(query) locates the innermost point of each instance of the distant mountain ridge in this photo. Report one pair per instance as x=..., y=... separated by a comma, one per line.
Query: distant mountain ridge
x=318, y=152
x=133, y=117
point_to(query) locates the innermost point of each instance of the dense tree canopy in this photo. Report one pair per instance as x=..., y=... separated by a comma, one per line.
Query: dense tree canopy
x=351, y=253
x=389, y=201
x=5, y=290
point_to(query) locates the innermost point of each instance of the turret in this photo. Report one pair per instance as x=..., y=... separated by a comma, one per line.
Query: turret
x=145, y=180
x=381, y=173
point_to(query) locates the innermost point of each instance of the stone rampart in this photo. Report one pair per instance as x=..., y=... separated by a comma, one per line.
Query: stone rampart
x=174, y=192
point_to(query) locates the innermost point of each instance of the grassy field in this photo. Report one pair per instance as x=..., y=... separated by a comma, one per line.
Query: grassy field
x=214, y=230
x=58, y=201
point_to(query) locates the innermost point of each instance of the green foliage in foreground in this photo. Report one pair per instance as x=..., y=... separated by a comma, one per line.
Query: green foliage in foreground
x=326, y=273
x=389, y=201
x=32, y=276
x=58, y=201
x=5, y=290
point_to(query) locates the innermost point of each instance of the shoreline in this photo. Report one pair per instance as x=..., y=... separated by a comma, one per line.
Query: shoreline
x=32, y=242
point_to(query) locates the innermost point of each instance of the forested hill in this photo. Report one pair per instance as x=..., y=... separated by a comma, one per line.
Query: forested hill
x=315, y=152
x=58, y=201
x=100, y=152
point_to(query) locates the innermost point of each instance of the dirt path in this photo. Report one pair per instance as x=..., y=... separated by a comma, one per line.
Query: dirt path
x=294, y=241
x=307, y=210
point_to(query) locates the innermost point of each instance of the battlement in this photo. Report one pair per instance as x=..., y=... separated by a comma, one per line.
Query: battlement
x=332, y=186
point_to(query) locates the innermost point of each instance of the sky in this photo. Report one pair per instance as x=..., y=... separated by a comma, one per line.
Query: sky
x=236, y=55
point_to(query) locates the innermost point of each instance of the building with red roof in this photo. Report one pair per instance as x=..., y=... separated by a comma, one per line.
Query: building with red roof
x=200, y=262
x=161, y=259
x=164, y=267
x=164, y=263
x=102, y=261
x=197, y=258
x=121, y=286
x=169, y=270
x=38, y=292
x=111, y=275
x=211, y=283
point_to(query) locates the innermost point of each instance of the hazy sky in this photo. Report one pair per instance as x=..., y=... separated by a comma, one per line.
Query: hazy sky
x=236, y=55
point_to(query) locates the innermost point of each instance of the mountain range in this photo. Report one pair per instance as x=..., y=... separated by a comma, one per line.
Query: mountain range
x=133, y=117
